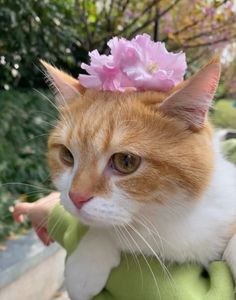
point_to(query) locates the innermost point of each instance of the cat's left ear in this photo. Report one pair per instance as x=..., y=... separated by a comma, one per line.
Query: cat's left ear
x=192, y=101
x=66, y=87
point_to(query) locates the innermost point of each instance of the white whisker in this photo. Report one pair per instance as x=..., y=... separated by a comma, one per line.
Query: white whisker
x=134, y=254
x=120, y=238
x=145, y=259
x=153, y=252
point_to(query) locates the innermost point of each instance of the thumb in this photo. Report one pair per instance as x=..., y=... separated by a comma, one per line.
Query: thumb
x=21, y=209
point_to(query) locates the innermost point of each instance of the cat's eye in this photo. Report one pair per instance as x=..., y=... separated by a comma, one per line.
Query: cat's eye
x=125, y=163
x=66, y=156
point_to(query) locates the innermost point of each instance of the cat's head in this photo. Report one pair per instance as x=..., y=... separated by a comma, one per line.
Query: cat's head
x=111, y=154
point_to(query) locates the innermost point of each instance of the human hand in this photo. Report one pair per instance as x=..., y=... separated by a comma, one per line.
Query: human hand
x=38, y=212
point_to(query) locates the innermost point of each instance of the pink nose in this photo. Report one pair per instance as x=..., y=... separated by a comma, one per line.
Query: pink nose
x=79, y=199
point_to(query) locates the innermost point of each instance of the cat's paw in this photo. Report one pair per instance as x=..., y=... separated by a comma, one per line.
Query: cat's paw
x=84, y=288
x=89, y=266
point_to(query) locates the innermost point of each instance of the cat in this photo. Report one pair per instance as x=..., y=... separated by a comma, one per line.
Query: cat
x=141, y=162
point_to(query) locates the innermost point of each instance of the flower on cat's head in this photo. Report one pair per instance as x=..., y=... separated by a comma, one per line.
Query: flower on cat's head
x=140, y=64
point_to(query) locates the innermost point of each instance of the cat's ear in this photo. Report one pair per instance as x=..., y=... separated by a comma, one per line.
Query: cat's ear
x=192, y=101
x=66, y=87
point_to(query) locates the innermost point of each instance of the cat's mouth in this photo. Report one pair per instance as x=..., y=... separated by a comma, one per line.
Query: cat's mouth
x=101, y=212
x=94, y=216
x=98, y=212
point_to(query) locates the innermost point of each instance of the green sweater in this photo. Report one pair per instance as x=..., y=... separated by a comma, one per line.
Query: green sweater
x=132, y=282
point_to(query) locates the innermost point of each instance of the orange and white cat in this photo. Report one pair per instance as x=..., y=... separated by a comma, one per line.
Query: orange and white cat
x=146, y=163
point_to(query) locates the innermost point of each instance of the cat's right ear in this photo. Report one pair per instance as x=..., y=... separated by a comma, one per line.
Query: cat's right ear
x=65, y=87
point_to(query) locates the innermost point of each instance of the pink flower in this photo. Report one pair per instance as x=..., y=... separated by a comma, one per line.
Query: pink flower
x=209, y=11
x=140, y=64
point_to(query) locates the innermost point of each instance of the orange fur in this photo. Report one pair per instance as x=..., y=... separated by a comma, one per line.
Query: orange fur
x=102, y=123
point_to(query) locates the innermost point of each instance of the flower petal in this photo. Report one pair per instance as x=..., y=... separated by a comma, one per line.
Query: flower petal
x=140, y=64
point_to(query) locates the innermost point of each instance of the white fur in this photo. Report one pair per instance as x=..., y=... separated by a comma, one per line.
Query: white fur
x=89, y=266
x=182, y=230
x=197, y=230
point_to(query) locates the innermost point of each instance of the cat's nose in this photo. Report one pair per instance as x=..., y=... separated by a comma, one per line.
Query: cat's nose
x=79, y=199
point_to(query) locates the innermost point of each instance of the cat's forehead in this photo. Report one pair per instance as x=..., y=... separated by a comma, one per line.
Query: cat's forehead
x=109, y=96
x=96, y=105
x=111, y=122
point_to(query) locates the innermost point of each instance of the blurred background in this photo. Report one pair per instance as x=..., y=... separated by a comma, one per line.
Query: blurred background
x=63, y=32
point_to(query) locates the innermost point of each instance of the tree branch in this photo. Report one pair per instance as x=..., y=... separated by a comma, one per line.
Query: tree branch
x=208, y=43
x=154, y=2
x=148, y=22
x=148, y=8
x=169, y=8
x=156, y=26
x=85, y=20
x=219, y=29
x=189, y=26
x=124, y=6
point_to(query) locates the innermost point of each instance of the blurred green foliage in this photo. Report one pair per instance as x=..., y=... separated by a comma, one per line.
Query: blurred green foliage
x=229, y=148
x=31, y=30
x=224, y=114
x=63, y=31
x=25, y=119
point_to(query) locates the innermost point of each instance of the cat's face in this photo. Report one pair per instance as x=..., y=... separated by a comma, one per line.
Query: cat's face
x=118, y=152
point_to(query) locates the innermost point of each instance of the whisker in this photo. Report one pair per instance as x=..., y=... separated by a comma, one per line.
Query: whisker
x=48, y=99
x=42, y=224
x=65, y=104
x=146, y=261
x=51, y=124
x=152, y=234
x=153, y=252
x=36, y=136
x=28, y=185
x=55, y=106
x=57, y=223
x=44, y=112
x=134, y=254
x=10, y=213
x=156, y=232
x=120, y=238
